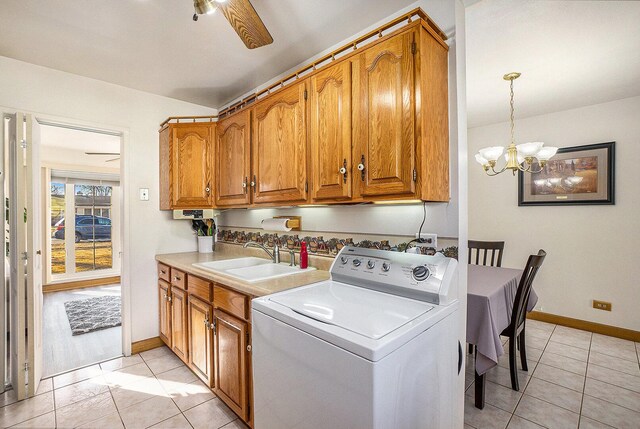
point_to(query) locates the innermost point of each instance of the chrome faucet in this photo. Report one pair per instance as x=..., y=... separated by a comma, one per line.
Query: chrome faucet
x=275, y=255
x=292, y=258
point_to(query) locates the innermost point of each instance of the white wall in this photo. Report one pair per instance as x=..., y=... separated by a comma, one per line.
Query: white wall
x=592, y=250
x=44, y=91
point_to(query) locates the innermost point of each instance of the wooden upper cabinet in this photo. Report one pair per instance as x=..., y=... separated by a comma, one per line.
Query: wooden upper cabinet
x=201, y=339
x=191, y=165
x=330, y=133
x=384, y=107
x=179, y=323
x=164, y=292
x=279, y=146
x=233, y=160
x=231, y=356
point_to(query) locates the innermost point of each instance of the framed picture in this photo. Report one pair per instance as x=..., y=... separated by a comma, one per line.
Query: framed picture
x=578, y=175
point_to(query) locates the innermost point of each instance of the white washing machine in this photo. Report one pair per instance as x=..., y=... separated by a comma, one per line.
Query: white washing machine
x=375, y=347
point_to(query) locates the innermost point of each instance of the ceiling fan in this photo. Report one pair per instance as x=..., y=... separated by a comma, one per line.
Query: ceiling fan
x=105, y=154
x=241, y=15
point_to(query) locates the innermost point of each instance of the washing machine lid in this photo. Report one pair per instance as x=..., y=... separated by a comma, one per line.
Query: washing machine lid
x=365, y=312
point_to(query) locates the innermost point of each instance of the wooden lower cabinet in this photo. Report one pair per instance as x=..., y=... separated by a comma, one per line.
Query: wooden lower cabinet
x=231, y=356
x=201, y=339
x=164, y=296
x=179, y=323
x=208, y=326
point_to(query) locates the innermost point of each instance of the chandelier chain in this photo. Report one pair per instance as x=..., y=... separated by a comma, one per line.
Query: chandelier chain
x=513, y=141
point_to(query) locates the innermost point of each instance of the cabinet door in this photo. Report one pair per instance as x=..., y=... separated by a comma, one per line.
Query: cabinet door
x=330, y=133
x=279, y=147
x=384, y=106
x=191, y=165
x=179, y=323
x=233, y=160
x=200, y=339
x=164, y=294
x=231, y=358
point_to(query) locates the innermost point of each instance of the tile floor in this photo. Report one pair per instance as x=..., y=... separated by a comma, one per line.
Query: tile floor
x=575, y=379
x=151, y=390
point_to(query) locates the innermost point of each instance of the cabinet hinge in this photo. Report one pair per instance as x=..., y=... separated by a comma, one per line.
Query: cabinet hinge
x=305, y=94
x=26, y=367
x=414, y=48
x=415, y=175
x=213, y=326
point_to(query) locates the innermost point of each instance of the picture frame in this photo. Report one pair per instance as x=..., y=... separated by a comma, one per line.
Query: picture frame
x=577, y=175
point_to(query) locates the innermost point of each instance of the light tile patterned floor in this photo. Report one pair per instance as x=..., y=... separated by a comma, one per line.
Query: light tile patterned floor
x=575, y=379
x=151, y=390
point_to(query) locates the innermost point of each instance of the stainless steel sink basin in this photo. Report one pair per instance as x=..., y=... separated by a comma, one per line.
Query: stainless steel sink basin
x=251, y=269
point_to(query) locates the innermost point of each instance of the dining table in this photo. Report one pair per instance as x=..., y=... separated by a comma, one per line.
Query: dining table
x=491, y=293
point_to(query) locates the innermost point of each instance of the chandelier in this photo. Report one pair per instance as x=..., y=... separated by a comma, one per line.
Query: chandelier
x=518, y=157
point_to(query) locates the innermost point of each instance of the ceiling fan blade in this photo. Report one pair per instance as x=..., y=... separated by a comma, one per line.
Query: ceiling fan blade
x=245, y=20
x=102, y=153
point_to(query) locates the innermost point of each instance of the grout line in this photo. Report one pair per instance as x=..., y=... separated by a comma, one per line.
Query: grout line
x=525, y=388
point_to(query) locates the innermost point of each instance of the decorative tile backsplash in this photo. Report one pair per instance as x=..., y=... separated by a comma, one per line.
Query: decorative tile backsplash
x=319, y=245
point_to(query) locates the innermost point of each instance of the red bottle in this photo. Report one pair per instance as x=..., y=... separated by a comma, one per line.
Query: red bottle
x=304, y=256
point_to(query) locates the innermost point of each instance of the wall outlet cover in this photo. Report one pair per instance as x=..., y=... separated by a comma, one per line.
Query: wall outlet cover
x=144, y=194
x=431, y=240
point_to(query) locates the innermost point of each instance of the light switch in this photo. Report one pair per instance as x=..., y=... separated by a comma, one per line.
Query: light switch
x=144, y=194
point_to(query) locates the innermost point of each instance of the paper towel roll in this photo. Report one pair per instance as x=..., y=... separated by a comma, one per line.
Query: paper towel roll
x=275, y=224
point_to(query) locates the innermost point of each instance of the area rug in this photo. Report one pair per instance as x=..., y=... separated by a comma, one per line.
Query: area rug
x=93, y=314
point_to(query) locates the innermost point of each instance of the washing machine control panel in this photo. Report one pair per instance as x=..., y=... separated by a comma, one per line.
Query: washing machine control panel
x=396, y=271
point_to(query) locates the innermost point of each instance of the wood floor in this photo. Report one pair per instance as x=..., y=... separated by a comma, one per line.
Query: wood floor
x=62, y=351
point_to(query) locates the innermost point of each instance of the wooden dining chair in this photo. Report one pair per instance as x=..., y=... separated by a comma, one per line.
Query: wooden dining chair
x=485, y=248
x=515, y=330
x=495, y=248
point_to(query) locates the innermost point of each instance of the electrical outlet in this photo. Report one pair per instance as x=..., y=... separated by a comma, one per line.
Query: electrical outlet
x=430, y=240
x=144, y=194
x=602, y=305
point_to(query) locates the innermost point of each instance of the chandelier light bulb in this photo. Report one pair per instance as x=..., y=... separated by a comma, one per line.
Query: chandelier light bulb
x=482, y=161
x=546, y=153
x=491, y=153
x=529, y=150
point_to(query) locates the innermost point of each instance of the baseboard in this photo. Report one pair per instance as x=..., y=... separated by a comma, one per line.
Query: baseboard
x=598, y=328
x=80, y=284
x=144, y=345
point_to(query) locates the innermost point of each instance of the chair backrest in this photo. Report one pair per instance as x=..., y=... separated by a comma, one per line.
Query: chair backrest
x=484, y=247
x=519, y=312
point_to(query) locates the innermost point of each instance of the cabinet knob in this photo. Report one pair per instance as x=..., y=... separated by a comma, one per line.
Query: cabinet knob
x=163, y=272
x=342, y=170
x=176, y=278
x=248, y=347
x=244, y=185
x=361, y=167
x=208, y=189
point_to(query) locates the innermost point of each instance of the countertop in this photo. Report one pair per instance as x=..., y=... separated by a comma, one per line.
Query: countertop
x=184, y=261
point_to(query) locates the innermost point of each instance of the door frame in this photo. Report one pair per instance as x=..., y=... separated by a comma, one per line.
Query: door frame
x=124, y=200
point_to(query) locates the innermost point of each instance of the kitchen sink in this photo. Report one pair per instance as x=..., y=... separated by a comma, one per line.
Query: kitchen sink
x=251, y=269
x=229, y=264
x=265, y=272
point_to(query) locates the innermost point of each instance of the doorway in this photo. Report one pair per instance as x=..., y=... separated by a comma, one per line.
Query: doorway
x=81, y=235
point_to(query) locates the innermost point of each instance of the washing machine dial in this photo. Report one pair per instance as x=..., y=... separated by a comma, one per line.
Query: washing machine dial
x=386, y=266
x=344, y=259
x=371, y=264
x=421, y=273
x=356, y=262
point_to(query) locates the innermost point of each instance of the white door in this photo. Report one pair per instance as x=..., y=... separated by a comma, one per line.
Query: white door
x=24, y=258
x=34, y=254
x=17, y=251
